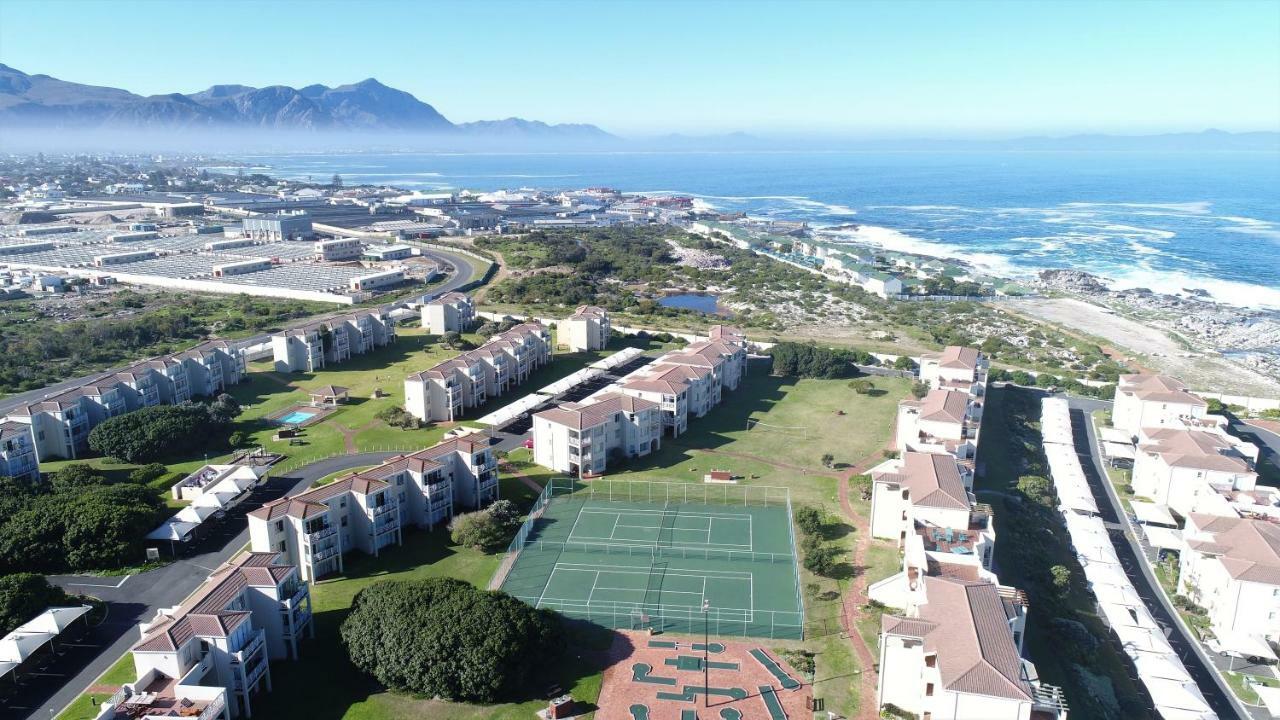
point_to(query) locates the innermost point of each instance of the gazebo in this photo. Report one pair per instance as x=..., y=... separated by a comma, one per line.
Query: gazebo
x=328, y=395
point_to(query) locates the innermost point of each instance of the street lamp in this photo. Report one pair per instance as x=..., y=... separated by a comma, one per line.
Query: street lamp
x=706, y=669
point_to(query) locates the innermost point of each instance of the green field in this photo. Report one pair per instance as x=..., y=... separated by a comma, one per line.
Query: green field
x=637, y=565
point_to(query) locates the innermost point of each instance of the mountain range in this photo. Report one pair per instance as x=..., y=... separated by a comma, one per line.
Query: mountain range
x=41, y=101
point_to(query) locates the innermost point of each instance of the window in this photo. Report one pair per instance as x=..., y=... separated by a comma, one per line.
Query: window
x=280, y=546
x=279, y=526
x=344, y=521
x=931, y=661
x=928, y=690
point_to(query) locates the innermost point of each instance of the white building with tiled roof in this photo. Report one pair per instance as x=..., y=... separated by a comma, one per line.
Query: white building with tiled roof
x=367, y=511
x=1179, y=467
x=923, y=502
x=1153, y=401
x=587, y=329
x=451, y=312
x=955, y=368
x=943, y=421
x=956, y=653
x=316, y=345
x=581, y=438
x=1231, y=567
x=251, y=610
x=444, y=391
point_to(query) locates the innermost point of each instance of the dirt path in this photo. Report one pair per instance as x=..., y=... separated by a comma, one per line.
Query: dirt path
x=528, y=481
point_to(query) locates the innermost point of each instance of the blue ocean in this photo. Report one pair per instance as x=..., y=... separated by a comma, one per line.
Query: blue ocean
x=1169, y=222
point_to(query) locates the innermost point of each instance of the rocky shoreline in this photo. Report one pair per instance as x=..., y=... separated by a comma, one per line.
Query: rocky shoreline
x=1246, y=336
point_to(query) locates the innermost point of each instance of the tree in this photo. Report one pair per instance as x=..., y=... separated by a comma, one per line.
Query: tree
x=160, y=431
x=336, y=182
x=818, y=558
x=1061, y=576
x=147, y=473
x=74, y=477
x=442, y=637
x=861, y=387
x=1037, y=489
x=24, y=596
x=904, y=363
x=105, y=526
x=919, y=389
x=452, y=339
x=488, y=329
x=828, y=459
x=808, y=519
x=478, y=530
x=810, y=361
x=505, y=513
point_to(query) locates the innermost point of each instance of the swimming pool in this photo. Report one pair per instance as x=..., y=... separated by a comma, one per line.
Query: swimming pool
x=297, y=417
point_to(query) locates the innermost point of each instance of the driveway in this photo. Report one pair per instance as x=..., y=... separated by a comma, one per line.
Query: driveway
x=136, y=598
x=1130, y=552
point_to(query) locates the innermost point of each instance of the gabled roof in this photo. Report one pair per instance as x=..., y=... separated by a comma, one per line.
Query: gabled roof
x=589, y=312
x=1158, y=388
x=942, y=406
x=933, y=480
x=579, y=416
x=1194, y=449
x=966, y=624
x=957, y=357
x=205, y=613
x=1248, y=549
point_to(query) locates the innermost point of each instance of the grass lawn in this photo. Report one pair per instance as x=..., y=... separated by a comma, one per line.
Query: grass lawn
x=84, y=707
x=721, y=441
x=324, y=684
x=1240, y=685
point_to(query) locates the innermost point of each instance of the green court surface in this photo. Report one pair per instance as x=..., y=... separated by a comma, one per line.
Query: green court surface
x=639, y=712
x=641, y=565
x=770, y=697
x=788, y=682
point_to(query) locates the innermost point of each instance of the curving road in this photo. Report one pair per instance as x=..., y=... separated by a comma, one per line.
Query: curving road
x=462, y=274
x=136, y=598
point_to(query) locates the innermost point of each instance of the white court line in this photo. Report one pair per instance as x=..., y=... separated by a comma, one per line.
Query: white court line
x=633, y=570
x=552, y=576
x=593, y=588
x=649, y=543
x=576, y=518
x=638, y=511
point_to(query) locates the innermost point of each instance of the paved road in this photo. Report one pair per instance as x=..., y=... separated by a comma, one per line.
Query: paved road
x=1268, y=441
x=137, y=598
x=1198, y=662
x=462, y=274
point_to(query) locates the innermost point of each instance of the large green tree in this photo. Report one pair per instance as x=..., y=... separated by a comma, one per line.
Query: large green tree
x=23, y=596
x=443, y=637
x=154, y=433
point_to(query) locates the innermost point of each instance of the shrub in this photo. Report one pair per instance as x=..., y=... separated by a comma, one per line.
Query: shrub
x=479, y=530
x=808, y=519
x=75, y=477
x=396, y=416
x=919, y=389
x=861, y=387
x=147, y=473
x=810, y=361
x=904, y=363
x=442, y=637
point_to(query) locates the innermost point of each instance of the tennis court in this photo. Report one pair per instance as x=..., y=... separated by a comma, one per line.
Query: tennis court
x=638, y=565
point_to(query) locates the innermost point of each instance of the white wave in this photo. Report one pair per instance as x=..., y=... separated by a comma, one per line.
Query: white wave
x=827, y=208
x=730, y=198
x=1199, y=207
x=890, y=239
x=1230, y=292
x=922, y=207
x=1125, y=230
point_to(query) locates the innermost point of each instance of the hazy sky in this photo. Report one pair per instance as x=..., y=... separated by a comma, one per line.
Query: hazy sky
x=865, y=69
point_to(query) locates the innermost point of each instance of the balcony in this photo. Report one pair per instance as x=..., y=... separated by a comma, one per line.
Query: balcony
x=247, y=650
x=380, y=510
x=327, y=531
x=319, y=555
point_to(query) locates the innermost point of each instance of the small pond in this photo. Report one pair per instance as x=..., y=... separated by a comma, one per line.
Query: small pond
x=702, y=302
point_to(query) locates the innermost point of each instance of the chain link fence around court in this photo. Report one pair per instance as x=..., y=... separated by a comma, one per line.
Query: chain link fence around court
x=775, y=624
x=723, y=622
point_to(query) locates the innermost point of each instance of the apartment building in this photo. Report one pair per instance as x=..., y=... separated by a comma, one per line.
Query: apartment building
x=586, y=329
x=581, y=438
x=1153, y=401
x=315, y=528
x=444, y=391
x=956, y=653
x=956, y=368
x=923, y=502
x=1180, y=467
x=60, y=424
x=317, y=345
x=943, y=421
x=169, y=377
x=451, y=312
x=367, y=511
x=211, y=367
x=18, y=451
x=1231, y=567
x=251, y=610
